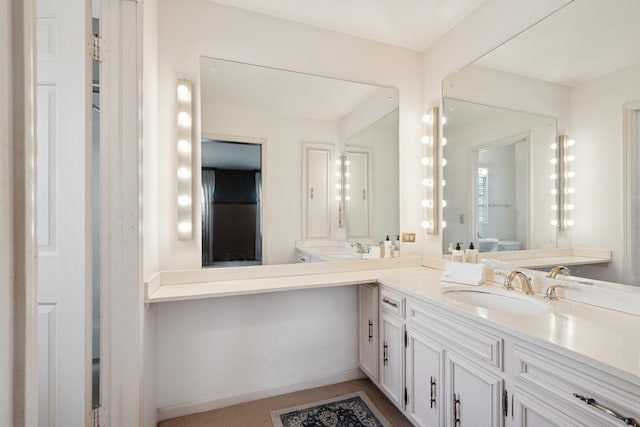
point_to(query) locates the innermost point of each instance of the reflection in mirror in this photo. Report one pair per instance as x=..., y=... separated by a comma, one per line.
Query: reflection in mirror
x=303, y=123
x=231, y=181
x=588, y=80
x=497, y=178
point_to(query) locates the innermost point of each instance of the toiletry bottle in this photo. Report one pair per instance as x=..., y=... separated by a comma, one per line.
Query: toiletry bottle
x=387, y=248
x=457, y=255
x=397, y=248
x=472, y=254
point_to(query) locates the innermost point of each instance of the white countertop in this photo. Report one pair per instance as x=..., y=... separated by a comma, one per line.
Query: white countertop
x=585, y=332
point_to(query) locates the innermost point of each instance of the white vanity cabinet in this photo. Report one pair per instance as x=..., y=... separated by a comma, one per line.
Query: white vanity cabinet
x=392, y=342
x=368, y=330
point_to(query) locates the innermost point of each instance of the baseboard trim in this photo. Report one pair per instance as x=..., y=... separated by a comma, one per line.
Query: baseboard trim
x=174, y=411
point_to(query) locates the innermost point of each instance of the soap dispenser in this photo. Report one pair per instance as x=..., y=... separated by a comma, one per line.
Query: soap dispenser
x=472, y=254
x=387, y=248
x=397, y=249
x=457, y=255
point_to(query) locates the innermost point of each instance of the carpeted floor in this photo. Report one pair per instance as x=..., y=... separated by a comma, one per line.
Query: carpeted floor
x=258, y=413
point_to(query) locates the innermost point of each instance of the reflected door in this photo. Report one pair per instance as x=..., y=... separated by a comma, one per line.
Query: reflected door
x=357, y=194
x=316, y=191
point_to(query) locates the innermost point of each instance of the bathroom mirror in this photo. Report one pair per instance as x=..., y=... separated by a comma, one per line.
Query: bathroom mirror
x=579, y=65
x=498, y=160
x=282, y=112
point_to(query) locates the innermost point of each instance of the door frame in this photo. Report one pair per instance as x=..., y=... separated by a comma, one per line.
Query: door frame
x=631, y=189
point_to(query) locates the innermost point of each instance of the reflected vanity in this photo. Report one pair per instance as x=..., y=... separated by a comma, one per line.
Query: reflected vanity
x=326, y=172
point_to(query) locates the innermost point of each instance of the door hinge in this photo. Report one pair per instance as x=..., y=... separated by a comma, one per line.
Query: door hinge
x=97, y=48
x=406, y=339
x=406, y=396
x=97, y=415
x=505, y=403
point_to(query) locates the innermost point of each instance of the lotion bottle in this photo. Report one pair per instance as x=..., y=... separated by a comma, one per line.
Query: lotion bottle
x=457, y=255
x=387, y=248
x=472, y=254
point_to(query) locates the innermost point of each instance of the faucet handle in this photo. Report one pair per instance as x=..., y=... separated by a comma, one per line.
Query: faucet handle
x=551, y=292
x=507, y=281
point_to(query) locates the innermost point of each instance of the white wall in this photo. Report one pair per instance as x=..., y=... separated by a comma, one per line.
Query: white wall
x=597, y=127
x=191, y=28
x=215, y=349
x=491, y=24
x=282, y=171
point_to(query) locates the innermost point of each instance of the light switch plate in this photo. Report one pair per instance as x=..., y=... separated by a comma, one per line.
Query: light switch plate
x=409, y=237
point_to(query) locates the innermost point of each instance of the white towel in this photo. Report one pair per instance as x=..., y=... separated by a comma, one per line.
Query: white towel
x=462, y=273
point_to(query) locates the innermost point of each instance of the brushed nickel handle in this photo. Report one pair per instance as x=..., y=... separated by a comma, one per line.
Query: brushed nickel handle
x=391, y=303
x=592, y=402
x=456, y=410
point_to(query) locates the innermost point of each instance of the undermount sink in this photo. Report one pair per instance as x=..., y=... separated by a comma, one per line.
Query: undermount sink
x=506, y=302
x=345, y=255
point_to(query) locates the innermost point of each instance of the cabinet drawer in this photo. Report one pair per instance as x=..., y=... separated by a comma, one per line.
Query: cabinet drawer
x=391, y=302
x=563, y=380
x=481, y=346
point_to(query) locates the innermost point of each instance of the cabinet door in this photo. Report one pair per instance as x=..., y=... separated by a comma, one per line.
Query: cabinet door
x=474, y=394
x=392, y=359
x=425, y=371
x=368, y=330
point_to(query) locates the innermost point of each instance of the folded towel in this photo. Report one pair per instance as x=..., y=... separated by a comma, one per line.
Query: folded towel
x=465, y=274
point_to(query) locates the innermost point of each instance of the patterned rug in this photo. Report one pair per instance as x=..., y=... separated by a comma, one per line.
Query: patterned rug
x=351, y=410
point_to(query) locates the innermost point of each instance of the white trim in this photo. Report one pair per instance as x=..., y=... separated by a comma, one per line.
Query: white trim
x=174, y=411
x=631, y=189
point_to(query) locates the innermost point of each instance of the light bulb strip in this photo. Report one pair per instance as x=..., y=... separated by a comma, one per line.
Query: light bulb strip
x=563, y=189
x=431, y=173
x=184, y=164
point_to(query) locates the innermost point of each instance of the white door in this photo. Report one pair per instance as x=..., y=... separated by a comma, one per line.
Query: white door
x=317, y=191
x=368, y=330
x=392, y=359
x=425, y=371
x=61, y=211
x=357, y=195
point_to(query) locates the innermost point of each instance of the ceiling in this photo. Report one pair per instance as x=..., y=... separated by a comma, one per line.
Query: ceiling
x=584, y=40
x=413, y=24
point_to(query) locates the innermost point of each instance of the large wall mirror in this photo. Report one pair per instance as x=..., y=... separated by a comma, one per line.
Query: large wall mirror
x=574, y=73
x=271, y=145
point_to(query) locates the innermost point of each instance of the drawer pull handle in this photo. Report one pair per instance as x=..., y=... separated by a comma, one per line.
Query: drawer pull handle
x=370, y=330
x=432, y=401
x=384, y=354
x=456, y=410
x=391, y=303
x=592, y=402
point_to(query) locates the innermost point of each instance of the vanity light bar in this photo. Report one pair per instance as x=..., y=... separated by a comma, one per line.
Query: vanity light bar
x=563, y=190
x=184, y=149
x=430, y=170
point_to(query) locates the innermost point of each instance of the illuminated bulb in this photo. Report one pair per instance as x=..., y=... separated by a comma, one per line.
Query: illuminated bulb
x=184, y=173
x=183, y=92
x=571, y=190
x=444, y=182
x=444, y=224
x=338, y=162
x=570, y=207
x=554, y=222
x=426, y=118
x=184, y=119
x=347, y=198
x=554, y=191
x=571, y=143
x=426, y=182
x=570, y=222
x=426, y=161
x=444, y=141
x=338, y=186
x=554, y=207
x=425, y=203
x=184, y=200
x=553, y=161
x=444, y=203
x=347, y=162
x=554, y=146
x=184, y=227
x=425, y=224
x=570, y=158
x=444, y=120
x=184, y=146
x=347, y=174
x=347, y=186
x=425, y=139
x=444, y=162
x=338, y=174
x=571, y=174
x=338, y=198
x=553, y=176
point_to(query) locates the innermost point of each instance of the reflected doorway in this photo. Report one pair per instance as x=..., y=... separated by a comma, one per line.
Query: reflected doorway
x=231, y=174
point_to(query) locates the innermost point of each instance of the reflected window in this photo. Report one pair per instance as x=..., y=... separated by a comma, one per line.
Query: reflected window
x=483, y=198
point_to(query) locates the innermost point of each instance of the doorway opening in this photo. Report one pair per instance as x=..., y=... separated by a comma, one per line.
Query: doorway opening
x=232, y=201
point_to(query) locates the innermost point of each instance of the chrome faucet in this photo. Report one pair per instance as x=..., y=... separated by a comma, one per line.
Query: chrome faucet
x=359, y=247
x=559, y=269
x=525, y=282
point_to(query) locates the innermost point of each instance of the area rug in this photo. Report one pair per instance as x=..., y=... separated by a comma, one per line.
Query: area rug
x=350, y=410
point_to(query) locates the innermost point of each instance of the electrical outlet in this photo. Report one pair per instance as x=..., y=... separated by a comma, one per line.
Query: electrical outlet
x=409, y=237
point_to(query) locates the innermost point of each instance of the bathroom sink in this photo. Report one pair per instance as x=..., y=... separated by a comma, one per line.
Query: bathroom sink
x=506, y=302
x=344, y=255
